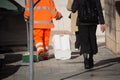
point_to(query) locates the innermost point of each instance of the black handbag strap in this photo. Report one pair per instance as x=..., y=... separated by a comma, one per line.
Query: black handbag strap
x=36, y=3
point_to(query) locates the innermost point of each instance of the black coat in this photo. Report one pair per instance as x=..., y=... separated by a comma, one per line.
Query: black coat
x=76, y=6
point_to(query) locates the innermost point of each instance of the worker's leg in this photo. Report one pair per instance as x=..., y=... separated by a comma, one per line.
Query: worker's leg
x=38, y=39
x=46, y=42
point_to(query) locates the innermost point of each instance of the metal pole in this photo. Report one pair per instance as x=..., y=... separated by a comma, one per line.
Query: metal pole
x=31, y=41
x=25, y=2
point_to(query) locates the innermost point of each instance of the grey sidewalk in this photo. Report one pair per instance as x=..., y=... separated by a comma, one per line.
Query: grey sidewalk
x=107, y=66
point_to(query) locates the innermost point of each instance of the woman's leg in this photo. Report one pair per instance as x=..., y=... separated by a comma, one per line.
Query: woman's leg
x=85, y=45
x=91, y=61
x=93, y=39
x=84, y=39
x=86, y=60
x=93, y=44
x=88, y=44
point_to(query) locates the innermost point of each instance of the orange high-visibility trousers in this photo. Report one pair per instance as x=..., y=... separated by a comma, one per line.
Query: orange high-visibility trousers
x=41, y=39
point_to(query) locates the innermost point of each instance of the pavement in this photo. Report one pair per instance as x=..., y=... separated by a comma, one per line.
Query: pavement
x=107, y=65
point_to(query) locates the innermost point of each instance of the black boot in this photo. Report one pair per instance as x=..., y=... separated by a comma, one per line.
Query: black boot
x=86, y=61
x=91, y=61
x=86, y=64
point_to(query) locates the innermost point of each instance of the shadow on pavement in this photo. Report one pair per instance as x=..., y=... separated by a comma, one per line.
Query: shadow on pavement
x=74, y=55
x=86, y=71
x=51, y=56
x=8, y=70
x=11, y=58
x=102, y=64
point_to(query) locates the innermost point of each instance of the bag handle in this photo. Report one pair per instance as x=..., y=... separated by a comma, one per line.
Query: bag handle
x=61, y=26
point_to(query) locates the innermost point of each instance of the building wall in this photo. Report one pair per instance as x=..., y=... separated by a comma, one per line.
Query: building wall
x=112, y=19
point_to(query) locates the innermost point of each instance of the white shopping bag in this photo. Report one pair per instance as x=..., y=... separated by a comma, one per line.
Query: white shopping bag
x=61, y=46
x=65, y=42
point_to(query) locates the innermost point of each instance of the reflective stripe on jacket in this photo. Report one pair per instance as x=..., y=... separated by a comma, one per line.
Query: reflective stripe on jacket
x=44, y=12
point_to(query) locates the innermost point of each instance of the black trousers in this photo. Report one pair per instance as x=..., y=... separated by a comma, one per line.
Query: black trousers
x=87, y=36
x=77, y=42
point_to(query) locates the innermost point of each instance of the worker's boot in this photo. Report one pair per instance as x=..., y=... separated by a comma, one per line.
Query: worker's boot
x=45, y=56
x=40, y=56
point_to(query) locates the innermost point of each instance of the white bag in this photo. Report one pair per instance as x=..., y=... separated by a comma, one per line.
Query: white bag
x=61, y=46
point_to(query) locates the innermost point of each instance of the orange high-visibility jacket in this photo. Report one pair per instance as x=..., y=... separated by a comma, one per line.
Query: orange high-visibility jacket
x=44, y=12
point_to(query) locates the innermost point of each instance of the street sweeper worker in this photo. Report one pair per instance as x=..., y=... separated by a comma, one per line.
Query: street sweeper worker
x=43, y=13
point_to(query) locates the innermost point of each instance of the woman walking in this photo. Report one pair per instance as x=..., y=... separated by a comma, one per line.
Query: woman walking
x=89, y=16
